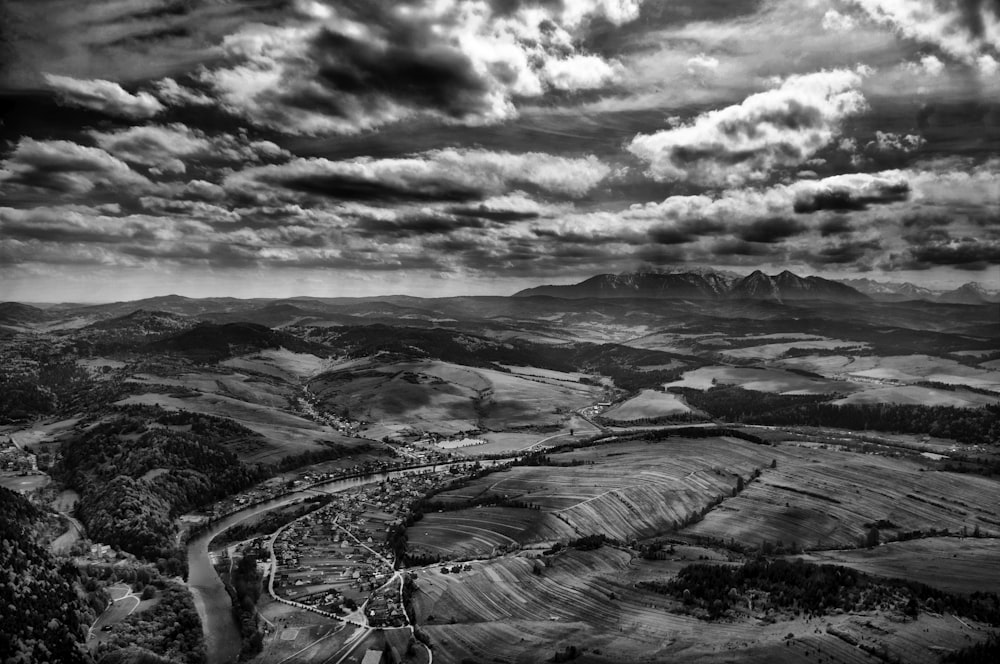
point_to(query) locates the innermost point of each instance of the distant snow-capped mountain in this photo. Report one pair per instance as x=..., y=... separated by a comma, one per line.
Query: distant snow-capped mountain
x=888, y=291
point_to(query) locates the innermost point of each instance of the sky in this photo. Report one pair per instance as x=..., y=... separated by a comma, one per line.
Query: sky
x=271, y=148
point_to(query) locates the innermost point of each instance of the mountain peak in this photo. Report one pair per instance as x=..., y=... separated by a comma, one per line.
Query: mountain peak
x=700, y=284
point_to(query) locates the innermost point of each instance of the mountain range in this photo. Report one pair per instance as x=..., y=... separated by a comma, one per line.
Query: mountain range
x=703, y=285
x=786, y=286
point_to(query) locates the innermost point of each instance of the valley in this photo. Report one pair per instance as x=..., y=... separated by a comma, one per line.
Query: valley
x=555, y=476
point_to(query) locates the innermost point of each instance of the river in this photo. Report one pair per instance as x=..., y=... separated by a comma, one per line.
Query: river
x=215, y=608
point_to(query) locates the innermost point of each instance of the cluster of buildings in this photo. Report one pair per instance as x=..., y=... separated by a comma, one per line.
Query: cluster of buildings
x=340, y=555
x=15, y=460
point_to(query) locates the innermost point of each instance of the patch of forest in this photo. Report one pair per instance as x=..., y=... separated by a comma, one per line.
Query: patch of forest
x=170, y=628
x=106, y=465
x=716, y=591
x=43, y=614
x=209, y=342
x=977, y=426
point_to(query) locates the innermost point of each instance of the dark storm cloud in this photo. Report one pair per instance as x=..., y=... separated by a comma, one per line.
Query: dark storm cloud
x=835, y=226
x=344, y=187
x=414, y=225
x=842, y=253
x=411, y=66
x=341, y=68
x=738, y=247
x=770, y=230
x=685, y=230
x=501, y=216
x=848, y=200
x=958, y=253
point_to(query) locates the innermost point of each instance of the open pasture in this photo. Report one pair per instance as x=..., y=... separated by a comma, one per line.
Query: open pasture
x=648, y=403
x=448, y=398
x=502, y=611
x=961, y=565
x=920, y=396
x=770, y=351
x=820, y=498
x=761, y=380
x=285, y=433
x=912, y=368
x=261, y=391
x=279, y=363
x=898, y=369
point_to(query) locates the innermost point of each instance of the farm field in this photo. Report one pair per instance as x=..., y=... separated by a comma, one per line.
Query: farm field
x=295, y=636
x=818, y=498
x=503, y=611
x=23, y=483
x=954, y=564
x=648, y=403
x=483, y=531
x=761, y=380
x=626, y=491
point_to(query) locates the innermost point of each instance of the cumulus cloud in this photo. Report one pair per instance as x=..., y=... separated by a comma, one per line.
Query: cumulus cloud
x=344, y=69
x=850, y=192
x=580, y=72
x=68, y=168
x=172, y=93
x=701, y=64
x=104, y=96
x=964, y=29
x=889, y=142
x=781, y=127
x=439, y=175
x=167, y=148
x=834, y=21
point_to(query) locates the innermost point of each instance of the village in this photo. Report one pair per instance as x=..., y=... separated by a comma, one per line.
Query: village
x=302, y=479
x=339, y=559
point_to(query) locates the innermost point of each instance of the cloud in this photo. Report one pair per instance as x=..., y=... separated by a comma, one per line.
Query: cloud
x=104, y=96
x=68, y=168
x=770, y=230
x=964, y=29
x=779, y=128
x=890, y=142
x=167, y=148
x=701, y=64
x=171, y=92
x=349, y=68
x=834, y=21
x=580, y=72
x=965, y=253
x=851, y=192
x=439, y=175
x=835, y=226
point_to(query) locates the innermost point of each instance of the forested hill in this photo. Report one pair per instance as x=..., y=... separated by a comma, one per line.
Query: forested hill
x=138, y=470
x=42, y=617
